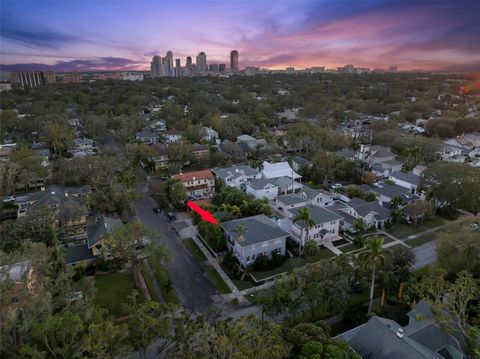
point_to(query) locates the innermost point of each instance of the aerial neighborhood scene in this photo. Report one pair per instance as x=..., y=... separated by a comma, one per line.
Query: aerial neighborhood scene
x=236, y=180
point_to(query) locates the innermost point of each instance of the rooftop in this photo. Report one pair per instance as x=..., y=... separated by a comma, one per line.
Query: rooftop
x=196, y=175
x=407, y=177
x=318, y=214
x=291, y=199
x=256, y=229
x=106, y=225
x=235, y=171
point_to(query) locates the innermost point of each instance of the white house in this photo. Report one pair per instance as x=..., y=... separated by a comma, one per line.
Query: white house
x=235, y=176
x=317, y=197
x=409, y=181
x=262, y=188
x=210, y=135
x=325, y=230
x=252, y=236
x=372, y=213
x=171, y=136
x=279, y=169
x=146, y=137
x=290, y=201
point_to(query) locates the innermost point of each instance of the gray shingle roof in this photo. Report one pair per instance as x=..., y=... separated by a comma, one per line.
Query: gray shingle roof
x=291, y=199
x=105, y=225
x=257, y=229
x=318, y=214
x=80, y=253
x=261, y=183
x=378, y=339
x=363, y=208
x=235, y=171
x=311, y=193
x=407, y=177
x=391, y=191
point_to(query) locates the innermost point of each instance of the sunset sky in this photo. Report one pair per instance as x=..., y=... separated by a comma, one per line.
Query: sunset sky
x=84, y=35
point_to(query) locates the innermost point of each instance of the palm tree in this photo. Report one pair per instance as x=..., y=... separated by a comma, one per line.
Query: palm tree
x=395, y=204
x=304, y=216
x=373, y=259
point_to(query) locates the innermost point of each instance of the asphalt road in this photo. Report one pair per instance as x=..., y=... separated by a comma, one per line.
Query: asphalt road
x=426, y=254
x=194, y=289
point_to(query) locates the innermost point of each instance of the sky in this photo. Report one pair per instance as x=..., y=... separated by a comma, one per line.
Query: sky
x=433, y=35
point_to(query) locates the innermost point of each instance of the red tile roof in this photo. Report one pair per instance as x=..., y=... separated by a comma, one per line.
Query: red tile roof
x=190, y=176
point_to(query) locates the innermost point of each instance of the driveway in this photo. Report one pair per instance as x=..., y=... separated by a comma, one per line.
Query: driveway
x=193, y=288
x=426, y=254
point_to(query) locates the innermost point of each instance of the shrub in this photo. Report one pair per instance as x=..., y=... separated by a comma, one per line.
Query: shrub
x=261, y=262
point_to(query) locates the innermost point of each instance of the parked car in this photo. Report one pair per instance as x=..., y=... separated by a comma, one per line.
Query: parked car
x=336, y=186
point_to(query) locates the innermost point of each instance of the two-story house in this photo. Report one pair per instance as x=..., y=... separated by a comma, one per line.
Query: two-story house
x=252, y=236
x=262, y=188
x=146, y=137
x=67, y=207
x=160, y=159
x=371, y=213
x=235, y=176
x=325, y=230
x=409, y=181
x=210, y=135
x=317, y=197
x=199, y=184
x=171, y=136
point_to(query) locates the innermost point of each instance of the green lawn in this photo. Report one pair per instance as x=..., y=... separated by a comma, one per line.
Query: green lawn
x=434, y=222
x=149, y=283
x=112, y=290
x=401, y=231
x=422, y=240
x=194, y=250
x=386, y=239
x=240, y=284
x=164, y=282
x=349, y=248
x=217, y=281
x=287, y=266
x=324, y=253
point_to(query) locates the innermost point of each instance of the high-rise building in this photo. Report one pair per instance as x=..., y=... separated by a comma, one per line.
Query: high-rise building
x=178, y=68
x=156, y=66
x=222, y=67
x=27, y=78
x=170, y=71
x=202, y=62
x=50, y=77
x=188, y=63
x=234, y=60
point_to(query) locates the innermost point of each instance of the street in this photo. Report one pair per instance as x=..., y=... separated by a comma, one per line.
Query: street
x=425, y=254
x=193, y=288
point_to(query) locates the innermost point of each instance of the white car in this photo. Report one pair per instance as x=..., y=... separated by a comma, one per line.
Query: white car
x=336, y=186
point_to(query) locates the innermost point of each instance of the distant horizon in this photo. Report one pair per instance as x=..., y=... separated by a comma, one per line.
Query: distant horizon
x=439, y=36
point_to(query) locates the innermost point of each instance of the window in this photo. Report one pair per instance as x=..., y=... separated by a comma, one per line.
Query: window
x=248, y=259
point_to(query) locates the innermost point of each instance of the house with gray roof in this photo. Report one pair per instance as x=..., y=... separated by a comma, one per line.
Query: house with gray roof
x=299, y=162
x=372, y=213
x=317, y=197
x=146, y=137
x=325, y=230
x=386, y=192
x=408, y=180
x=251, y=236
x=287, y=186
x=262, y=188
x=250, y=144
x=384, y=338
x=235, y=176
x=284, y=203
x=96, y=232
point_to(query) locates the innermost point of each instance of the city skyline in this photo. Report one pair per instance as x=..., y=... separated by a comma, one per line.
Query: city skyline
x=82, y=36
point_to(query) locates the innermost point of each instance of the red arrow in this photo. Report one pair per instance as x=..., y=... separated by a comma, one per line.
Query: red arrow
x=206, y=215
